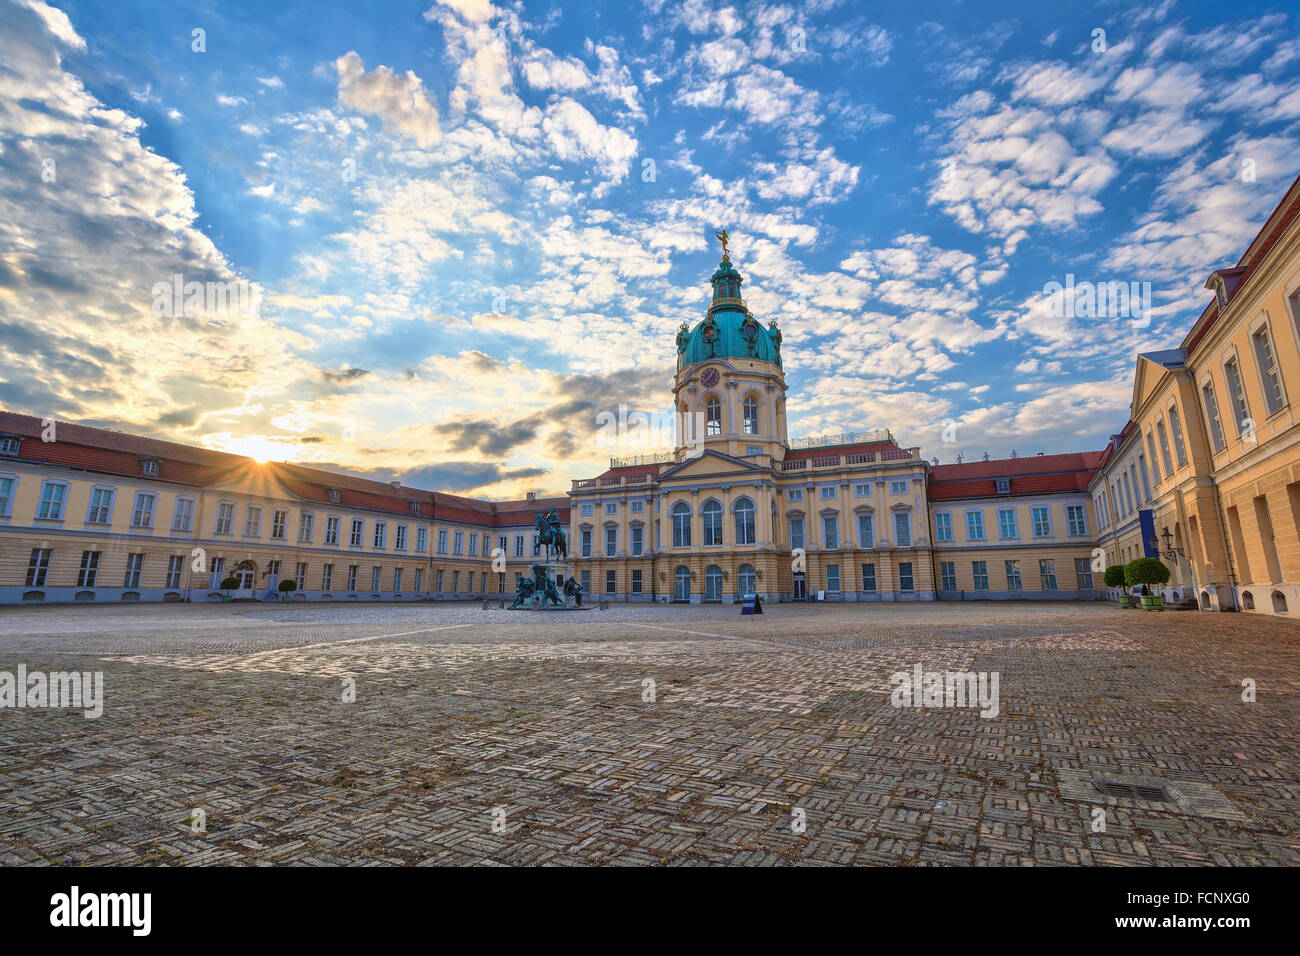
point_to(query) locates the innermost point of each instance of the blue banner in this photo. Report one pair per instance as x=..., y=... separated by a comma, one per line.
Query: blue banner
x=1147, y=521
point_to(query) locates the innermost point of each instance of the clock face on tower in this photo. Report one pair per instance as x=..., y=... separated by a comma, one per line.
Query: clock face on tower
x=709, y=377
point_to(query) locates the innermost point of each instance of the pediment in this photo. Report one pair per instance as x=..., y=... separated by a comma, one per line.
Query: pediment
x=711, y=464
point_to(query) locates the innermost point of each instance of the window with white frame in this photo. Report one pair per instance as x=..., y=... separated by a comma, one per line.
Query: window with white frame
x=473, y=546
x=1176, y=427
x=101, y=506
x=943, y=526
x=638, y=507
x=681, y=517
x=902, y=529
x=300, y=576
x=458, y=542
x=1163, y=435
x=225, y=518
x=713, y=416
x=134, y=564
x=352, y=576
x=142, y=514
x=638, y=540
x=1270, y=376
x=974, y=526
x=183, y=515
x=830, y=532
x=588, y=510
x=332, y=529
x=1041, y=519
x=327, y=577
x=442, y=545
x=744, y=510
x=1077, y=518
x=862, y=489
x=89, y=569
x=796, y=532
x=611, y=507
x=375, y=573
x=611, y=542
x=948, y=575
x=1212, y=416
x=584, y=542
x=866, y=531
x=6, y=495
x=54, y=496
x=795, y=494
x=9, y=446
x=751, y=415
x=358, y=532
x=1007, y=523
x=252, y=521
x=279, y=524
x=149, y=467
x=829, y=492
x=38, y=566
x=905, y=576
x=898, y=487
x=1237, y=394
x=399, y=538
x=175, y=567
x=381, y=535
x=306, y=527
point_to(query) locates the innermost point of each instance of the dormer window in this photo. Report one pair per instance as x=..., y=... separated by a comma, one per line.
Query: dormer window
x=149, y=466
x=415, y=507
x=9, y=445
x=1221, y=296
x=1004, y=486
x=334, y=496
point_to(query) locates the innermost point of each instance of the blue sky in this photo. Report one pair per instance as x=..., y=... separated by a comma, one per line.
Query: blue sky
x=473, y=227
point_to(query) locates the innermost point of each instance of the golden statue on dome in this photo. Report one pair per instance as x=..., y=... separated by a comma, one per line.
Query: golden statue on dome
x=722, y=238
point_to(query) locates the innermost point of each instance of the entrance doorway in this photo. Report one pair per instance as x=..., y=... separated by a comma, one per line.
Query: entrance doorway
x=246, y=572
x=682, y=585
x=800, y=589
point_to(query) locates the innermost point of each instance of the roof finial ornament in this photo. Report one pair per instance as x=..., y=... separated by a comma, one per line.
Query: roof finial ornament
x=722, y=238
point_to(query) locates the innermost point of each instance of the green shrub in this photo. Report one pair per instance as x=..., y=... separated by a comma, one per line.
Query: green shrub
x=289, y=585
x=1145, y=571
x=1114, y=576
x=230, y=583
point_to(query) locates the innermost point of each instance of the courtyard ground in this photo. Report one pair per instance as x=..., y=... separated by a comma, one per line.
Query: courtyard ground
x=516, y=737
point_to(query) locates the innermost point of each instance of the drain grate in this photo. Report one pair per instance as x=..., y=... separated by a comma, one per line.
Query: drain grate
x=1133, y=791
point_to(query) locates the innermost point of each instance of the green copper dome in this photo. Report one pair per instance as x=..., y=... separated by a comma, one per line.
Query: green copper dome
x=727, y=330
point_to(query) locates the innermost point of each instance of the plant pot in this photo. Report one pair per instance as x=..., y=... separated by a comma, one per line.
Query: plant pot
x=226, y=599
x=1151, y=602
x=284, y=599
x=1124, y=601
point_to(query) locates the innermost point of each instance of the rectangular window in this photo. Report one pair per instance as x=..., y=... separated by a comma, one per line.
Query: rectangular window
x=101, y=506
x=980, y=574
x=332, y=529
x=611, y=581
x=397, y=580
x=830, y=532
x=216, y=572
x=279, y=524
x=898, y=487
x=947, y=576
x=53, y=496
x=905, y=576
x=1007, y=523
x=1237, y=394
x=352, y=576
x=142, y=515
x=862, y=490
x=183, y=516
x=903, y=529
x=455, y=582
x=638, y=534
x=1212, y=416
x=1047, y=571
x=9, y=446
x=1164, y=448
x=89, y=569
x=300, y=576
x=974, y=526
x=422, y=540
x=442, y=542
x=175, y=566
x=458, y=543
x=375, y=572
x=868, y=577
x=519, y=546
x=134, y=563
x=796, y=532
x=586, y=582
x=795, y=494
x=327, y=577
x=829, y=493
x=943, y=527
x=1041, y=519
x=419, y=581
x=6, y=495
x=381, y=535
x=638, y=507
x=399, y=541
x=833, y=578
x=1014, y=582
x=1176, y=426
x=358, y=529
x=252, y=522
x=225, y=518
x=438, y=583
x=1268, y=370
x=866, y=531
x=636, y=582
x=1083, y=572
x=588, y=510
x=306, y=527
x=38, y=566
x=585, y=543
x=473, y=551
x=611, y=541
x=1077, y=518
x=611, y=508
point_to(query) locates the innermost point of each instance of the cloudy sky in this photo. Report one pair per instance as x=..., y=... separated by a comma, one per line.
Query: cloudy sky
x=469, y=228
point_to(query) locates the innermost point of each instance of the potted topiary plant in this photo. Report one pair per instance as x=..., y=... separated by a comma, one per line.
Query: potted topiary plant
x=228, y=585
x=1146, y=571
x=1114, y=578
x=286, y=587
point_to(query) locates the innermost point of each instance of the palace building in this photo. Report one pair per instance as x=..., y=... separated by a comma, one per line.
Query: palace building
x=1204, y=475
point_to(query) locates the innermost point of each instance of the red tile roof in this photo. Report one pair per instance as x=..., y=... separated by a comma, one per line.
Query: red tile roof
x=118, y=453
x=1035, y=475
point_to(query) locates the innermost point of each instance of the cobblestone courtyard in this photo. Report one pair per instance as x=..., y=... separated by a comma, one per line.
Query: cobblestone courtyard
x=462, y=714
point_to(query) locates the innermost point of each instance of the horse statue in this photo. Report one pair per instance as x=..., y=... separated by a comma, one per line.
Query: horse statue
x=551, y=534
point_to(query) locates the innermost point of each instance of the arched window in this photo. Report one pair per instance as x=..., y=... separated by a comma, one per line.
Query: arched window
x=681, y=514
x=745, y=580
x=712, y=513
x=751, y=415
x=744, y=521
x=713, y=583
x=682, y=584
x=713, y=416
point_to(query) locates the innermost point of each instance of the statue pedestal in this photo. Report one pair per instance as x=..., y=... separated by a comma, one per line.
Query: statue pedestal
x=541, y=592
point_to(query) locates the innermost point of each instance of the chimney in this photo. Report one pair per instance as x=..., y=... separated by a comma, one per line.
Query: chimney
x=396, y=484
x=530, y=496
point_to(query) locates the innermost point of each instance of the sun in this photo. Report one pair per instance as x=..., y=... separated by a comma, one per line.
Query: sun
x=260, y=448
